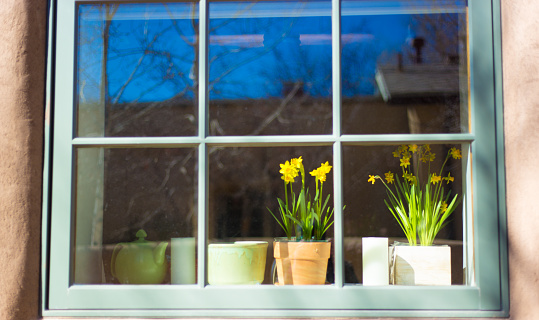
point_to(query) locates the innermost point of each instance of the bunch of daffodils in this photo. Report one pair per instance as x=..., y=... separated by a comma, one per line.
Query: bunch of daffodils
x=420, y=205
x=307, y=219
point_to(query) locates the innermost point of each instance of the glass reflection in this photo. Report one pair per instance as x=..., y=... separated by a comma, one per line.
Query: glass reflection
x=122, y=191
x=404, y=67
x=367, y=214
x=270, y=67
x=137, y=69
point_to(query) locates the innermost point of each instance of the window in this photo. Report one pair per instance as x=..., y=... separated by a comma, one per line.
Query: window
x=173, y=118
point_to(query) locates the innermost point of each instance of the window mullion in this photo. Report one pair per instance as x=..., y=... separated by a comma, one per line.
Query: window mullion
x=337, y=148
x=203, y=165
x=336, y=62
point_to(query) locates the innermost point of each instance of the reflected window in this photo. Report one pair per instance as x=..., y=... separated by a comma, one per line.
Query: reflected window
x=137, y=69
x=270, y=68
x=404, y=60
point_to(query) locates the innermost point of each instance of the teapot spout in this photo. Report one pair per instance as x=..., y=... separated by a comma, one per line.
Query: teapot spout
x=159, y=253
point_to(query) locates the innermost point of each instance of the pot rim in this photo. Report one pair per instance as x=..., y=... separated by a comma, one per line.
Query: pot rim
x=238, y=244
x=285, y=239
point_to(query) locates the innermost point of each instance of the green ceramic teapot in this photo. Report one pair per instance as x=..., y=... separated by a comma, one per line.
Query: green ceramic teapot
x=140, y=261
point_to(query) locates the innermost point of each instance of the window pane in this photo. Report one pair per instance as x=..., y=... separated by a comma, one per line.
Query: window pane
x=137, y=69
x=245, y=183
x=121, y=191
x=270, y=68
x=367, y=215
x=404, y=67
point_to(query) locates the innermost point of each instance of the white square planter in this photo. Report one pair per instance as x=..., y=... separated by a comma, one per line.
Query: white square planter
x=419, y=265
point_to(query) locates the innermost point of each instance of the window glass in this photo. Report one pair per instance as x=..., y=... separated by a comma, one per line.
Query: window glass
x=122, y=191
x=270, y=68
x=245, y=184
x=404, y=60
x=137, y=69
x=368, y=214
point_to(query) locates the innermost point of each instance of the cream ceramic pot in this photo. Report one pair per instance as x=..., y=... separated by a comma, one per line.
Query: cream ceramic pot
x=241, y=262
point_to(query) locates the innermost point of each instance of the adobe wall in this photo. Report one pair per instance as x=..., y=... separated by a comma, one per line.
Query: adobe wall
x=22, y=75
x=521, y=98
x=22, y=34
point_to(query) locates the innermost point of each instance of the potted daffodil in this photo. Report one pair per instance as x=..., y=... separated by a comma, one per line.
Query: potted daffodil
x=421, y=205
x=302, y=257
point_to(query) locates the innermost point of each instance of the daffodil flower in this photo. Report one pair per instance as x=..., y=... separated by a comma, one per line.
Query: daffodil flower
x=435, y=178
x=296, y=162
x=319, y=173
x=443, y=208
x=405, y=162
x=449, y=178
x=371, y=179
x=288, y=171
x=413, y=148
x=285, y=168
x=325, y=167
x=408, y=176
x=455, y=153
x=287, y=178
x=389, y=177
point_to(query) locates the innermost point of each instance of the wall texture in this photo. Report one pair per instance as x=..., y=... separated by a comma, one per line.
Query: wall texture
x=22, y=61
x=22, y=65
x=521, y=102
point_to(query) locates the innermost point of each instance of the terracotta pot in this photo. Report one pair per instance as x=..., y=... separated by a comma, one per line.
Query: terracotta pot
x=301, y=263
x=420, y=265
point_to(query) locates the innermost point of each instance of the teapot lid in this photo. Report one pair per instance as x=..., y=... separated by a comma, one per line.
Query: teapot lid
x=141, y=234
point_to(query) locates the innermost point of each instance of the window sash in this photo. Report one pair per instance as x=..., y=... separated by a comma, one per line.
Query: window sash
x=486, y=297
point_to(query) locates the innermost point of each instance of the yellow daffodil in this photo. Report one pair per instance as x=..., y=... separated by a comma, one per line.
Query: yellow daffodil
x=443, y=207
x=287, y=178
x=455, y=153
x=389, y=177
x=319, y=173
x=288, y=171
x=405, y=162
x=408, y=177
x=413, y=148
x=325, y=167
x=426, y=147
x=449, y=178
x=371, y=179
x=285, y=168
x=435, y=178
x=296, y=162
x=431, y=156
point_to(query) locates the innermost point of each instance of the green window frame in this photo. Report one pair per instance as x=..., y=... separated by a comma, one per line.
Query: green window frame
x=486, y=296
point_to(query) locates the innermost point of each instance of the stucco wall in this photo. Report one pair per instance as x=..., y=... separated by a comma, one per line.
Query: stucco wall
x=22, y=60
x=22, y=35
x=521, y=98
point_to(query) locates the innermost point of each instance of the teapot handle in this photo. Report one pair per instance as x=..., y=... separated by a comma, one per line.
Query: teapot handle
x=113, y=259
